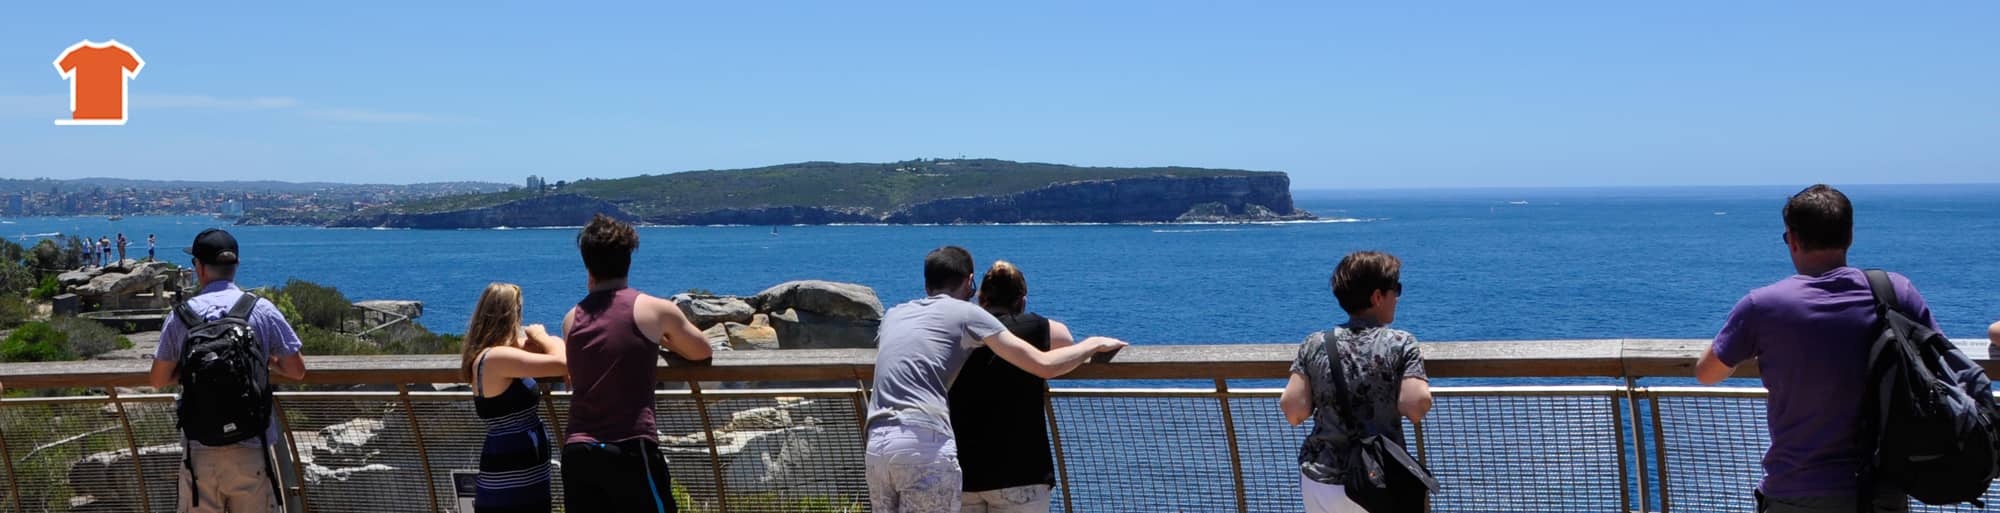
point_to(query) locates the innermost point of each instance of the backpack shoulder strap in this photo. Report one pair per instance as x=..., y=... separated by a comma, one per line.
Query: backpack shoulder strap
x=1885, y=291
x=189, y=320
x=244, y=306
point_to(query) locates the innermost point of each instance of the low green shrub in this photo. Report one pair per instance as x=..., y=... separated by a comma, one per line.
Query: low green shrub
x=36, y=342
x=89, y=338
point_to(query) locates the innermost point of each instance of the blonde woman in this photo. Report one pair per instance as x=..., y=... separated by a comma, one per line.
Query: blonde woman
x=501, y=359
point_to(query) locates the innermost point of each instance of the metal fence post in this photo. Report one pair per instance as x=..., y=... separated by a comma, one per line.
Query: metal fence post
x=549, y=403
x=138, y=471
x=292, y=444
x=1638, y=447
x=1235, y=455
x=714, y=454
x=1659, y=448
x=1055, y=440
x=13, y=478
x=423, y=455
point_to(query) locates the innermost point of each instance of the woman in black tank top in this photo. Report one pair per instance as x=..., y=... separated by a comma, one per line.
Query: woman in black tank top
x=997, y=408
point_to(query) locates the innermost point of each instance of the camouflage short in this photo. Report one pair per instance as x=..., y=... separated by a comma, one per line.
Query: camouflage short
x=912, y=470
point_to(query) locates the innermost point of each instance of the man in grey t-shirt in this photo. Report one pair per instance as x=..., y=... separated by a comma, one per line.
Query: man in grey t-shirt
x=912, y=460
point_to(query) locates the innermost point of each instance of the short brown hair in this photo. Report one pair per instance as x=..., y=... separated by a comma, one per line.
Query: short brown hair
x=1362, y=273
x=1003, y=287
x=1820, y=217
x=945, y=268
x=607, y=245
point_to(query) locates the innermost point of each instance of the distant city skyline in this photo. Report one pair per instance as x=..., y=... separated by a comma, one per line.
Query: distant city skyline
x=1556, y=94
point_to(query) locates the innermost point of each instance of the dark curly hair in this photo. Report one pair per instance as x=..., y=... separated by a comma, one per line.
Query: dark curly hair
x=607, y=245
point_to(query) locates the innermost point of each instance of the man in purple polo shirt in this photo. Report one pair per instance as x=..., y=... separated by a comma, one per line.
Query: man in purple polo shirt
x=228, y=478
x=1810, y=335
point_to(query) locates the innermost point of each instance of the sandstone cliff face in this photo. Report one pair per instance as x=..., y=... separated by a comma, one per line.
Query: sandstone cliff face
x=1162, y=199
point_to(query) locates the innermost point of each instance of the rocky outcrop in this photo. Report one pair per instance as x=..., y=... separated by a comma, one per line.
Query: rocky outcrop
x=550, y=210
x=1249, y=213
x=708, y=311
x=827, y=298
x=780, y=448
x=800, y=329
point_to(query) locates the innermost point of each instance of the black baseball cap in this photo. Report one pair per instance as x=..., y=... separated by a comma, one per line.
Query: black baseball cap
x=213, y=247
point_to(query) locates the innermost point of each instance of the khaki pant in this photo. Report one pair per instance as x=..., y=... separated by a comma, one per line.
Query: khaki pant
x=1018, y=499
x=228, y=479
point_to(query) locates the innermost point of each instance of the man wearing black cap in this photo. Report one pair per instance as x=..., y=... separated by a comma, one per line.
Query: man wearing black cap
x=232, y=477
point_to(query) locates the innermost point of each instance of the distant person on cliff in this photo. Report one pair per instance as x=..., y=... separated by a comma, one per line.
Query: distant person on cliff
x=501, y=359
x=225, y=410
x=611, y=460
x=1810, y=334
x=912, y=457
x=122, y=243
x=150, y=245
x=104, y=251
x=1358, y=379
x=997, y=408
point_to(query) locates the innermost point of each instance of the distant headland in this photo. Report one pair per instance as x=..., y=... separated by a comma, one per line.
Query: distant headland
x=930, y=191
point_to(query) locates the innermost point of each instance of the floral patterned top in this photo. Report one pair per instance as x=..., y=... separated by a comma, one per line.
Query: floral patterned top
x=1375, y=360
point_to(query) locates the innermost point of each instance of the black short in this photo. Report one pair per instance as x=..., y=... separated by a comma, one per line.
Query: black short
x=628, y=476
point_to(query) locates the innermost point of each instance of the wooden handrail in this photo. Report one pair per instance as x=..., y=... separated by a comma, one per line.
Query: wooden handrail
x=1614, y=358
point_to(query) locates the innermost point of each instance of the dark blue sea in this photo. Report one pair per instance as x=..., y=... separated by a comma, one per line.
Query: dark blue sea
x=1479, y=264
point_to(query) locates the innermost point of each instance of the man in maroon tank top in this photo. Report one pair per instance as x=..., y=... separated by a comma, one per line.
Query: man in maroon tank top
x=611, y=461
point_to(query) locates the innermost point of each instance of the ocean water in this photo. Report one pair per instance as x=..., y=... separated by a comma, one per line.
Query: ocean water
x=1478, y=264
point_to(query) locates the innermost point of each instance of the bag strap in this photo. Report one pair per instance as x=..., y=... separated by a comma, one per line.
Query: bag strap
x=185, y=313
x=1884, y=290
x=244, y=306
x=1338, y=370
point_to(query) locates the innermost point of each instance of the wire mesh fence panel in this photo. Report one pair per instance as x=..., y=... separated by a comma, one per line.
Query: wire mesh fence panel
x=1270, y=451
x=1145, y=454
x=70, y=457
x=684, y=443
x=1710, y=451
x=159, y=441
x=1527, y=453
x=1713, y=448
x=783, y=454
x=453, y=437
x=359, y=453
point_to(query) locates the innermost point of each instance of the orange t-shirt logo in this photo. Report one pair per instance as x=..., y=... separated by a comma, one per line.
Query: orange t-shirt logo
x=97, y=73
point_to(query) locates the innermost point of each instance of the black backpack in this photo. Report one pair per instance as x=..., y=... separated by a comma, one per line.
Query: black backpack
x=1929, y=418
x=225, y=381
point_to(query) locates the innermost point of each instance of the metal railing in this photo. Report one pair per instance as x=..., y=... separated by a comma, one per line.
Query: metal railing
x=736, y=448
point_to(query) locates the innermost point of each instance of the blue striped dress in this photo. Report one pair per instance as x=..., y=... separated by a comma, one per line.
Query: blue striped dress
x=514, y=462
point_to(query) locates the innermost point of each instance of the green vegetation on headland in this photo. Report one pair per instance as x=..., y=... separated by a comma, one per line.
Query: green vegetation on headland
x=326, y=321
x=916, y=191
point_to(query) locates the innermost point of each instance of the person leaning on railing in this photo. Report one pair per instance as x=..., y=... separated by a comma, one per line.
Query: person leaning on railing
x=1358, y=379
x=502, y=358
x=1810, y=334
x=1993, y=333
x=997, y=408
x=911, y=461
x=611, y=460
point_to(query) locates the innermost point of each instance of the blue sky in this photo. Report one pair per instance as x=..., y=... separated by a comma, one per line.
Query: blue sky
x=1448, y=94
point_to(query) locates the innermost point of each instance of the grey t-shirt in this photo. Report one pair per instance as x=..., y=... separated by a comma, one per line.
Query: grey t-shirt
x=1375, y=360
x=920, y=349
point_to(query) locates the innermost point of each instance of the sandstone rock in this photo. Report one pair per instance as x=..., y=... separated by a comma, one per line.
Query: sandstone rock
x=764, y=449
x=383, y=308
x=707, y=311
x=117, y=284
x=749, y=337
x=76, y=278
x=797, y=329
x=718, y=337
x=826, y=298
x=110, y=474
